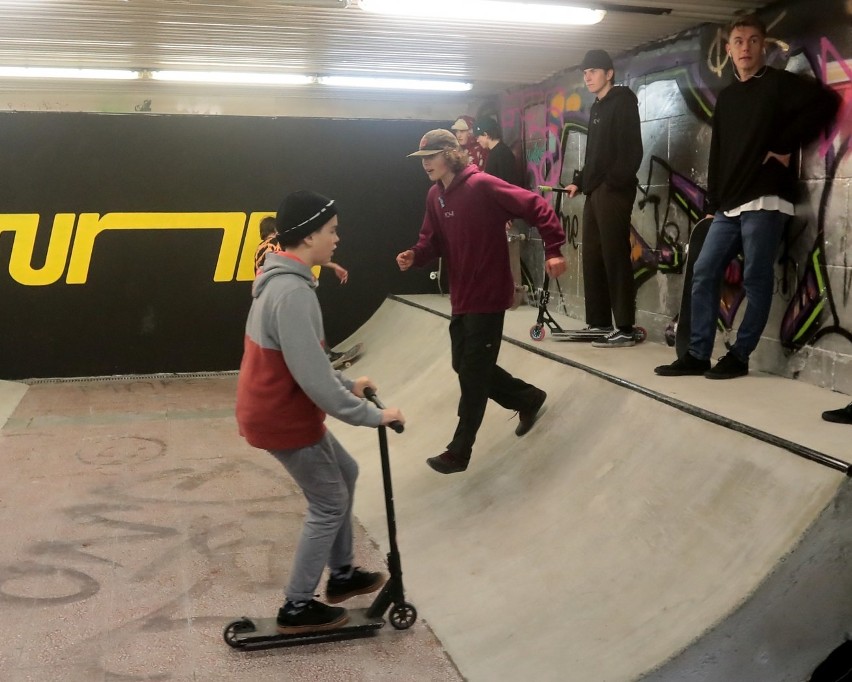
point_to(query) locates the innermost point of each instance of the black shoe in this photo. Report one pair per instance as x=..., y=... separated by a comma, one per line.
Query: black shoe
x=360, y=582
x=527, y=418
x=841, y=416
x=310, y=617
x=448, y=463
x=729, y=367
x=686, y=366
x=617, y=338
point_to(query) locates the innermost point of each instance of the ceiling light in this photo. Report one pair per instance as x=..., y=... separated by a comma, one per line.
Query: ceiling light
x=485, y=11
x=393, y=83
x=233, y=77
x=43, y=72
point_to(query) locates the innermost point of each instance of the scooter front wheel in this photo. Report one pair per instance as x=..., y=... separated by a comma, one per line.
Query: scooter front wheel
x=402, y=616
x=537, y=332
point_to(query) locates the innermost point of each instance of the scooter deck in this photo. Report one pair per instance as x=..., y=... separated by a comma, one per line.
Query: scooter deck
x=251, y=634
x=584, y=336
x=579, y=336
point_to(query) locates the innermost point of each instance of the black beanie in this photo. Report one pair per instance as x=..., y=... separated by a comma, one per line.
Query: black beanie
x=302, y=213
x=597, y=59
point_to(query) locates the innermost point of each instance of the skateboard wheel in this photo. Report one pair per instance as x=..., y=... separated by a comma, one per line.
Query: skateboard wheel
x=640, y=333
x=235, y=628
x=402, y=616
x=537, y=332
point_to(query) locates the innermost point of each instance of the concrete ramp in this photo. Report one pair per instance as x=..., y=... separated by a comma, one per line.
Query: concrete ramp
x=622, y=539
x=11, y=393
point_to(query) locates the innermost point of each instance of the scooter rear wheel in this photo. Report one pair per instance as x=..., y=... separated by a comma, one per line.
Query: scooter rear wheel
x=233, y=629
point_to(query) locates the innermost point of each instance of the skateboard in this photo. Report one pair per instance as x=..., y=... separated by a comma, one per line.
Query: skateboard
x=345, y=359
x=729, y=295
x=680, y=327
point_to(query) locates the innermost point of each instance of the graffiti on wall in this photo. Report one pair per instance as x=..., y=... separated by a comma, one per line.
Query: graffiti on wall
x=551, y=120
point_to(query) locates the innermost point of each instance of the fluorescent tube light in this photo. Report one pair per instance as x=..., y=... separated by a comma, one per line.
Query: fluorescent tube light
x=234, y=77
x=44, y=72
x=393, y=83
x=485, y=10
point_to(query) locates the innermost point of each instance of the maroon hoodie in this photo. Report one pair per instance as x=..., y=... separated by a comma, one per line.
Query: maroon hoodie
x=465, y=224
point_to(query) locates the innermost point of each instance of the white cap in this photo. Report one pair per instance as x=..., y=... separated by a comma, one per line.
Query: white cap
x=460, y=124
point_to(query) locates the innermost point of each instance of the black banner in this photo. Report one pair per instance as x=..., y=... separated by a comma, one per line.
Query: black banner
x=127, y=241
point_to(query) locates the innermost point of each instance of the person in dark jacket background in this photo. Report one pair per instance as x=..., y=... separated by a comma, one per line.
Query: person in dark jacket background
x=608, y=179
x=466, y=211
x=760, y=121
x=501, y=162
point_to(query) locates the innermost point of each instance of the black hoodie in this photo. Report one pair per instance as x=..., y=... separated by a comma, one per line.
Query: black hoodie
x=614, y=145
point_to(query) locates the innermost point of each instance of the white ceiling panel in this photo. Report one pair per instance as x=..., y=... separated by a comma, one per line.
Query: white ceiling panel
x=324, y=37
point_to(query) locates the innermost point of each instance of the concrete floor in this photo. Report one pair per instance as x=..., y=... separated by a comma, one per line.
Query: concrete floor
x=135, y=523
x=610, y=544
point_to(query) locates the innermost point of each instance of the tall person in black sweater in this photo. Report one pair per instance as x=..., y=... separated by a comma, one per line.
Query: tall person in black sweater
x=608, y=179
x=760, y=122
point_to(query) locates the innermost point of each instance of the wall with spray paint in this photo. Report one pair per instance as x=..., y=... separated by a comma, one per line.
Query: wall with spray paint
x=809, y=334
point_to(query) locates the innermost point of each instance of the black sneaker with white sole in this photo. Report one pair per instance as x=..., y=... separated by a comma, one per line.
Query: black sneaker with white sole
x=617, y=338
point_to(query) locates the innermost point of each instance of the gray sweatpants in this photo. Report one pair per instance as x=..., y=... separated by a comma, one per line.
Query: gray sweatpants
x=326, y=473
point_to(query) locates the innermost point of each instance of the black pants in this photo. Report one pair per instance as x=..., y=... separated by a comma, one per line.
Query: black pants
x=475, y=340
x=607, y=270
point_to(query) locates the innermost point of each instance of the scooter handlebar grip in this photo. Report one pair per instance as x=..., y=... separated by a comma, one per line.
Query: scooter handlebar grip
x=370, y=395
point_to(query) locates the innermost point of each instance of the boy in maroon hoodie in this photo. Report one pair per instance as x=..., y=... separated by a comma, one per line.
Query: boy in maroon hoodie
x=466, y=214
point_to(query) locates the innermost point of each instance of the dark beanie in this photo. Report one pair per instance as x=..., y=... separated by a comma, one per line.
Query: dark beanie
x=597, y=59
x=302, y=213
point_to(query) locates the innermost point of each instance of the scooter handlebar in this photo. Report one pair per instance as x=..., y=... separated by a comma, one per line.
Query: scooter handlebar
x=370, y=395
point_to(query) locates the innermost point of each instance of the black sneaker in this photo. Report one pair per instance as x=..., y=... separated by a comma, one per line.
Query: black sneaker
x=527, y=418
x=841, y=416
x=448, y=463
x=686, y=366
x=360, y=582
x=729, y=367
x=617, y=338
x=313, y=616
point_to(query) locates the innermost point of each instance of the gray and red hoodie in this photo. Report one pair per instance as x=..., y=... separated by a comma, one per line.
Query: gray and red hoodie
x=465, y=224
x=286, y=384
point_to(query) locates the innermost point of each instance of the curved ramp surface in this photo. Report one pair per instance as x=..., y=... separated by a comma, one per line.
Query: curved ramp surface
x=621, y=539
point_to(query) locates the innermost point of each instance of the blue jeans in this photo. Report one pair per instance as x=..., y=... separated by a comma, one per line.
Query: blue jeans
x=757, y=235
x=326, y=473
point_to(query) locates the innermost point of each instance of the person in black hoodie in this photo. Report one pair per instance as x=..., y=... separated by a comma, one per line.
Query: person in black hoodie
x=759, y=123
x=608, y=179
x=500, y=161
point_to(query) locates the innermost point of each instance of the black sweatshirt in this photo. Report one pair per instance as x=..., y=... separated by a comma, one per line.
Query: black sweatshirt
x=614, y=146
x=501, y=163
x=777, y=111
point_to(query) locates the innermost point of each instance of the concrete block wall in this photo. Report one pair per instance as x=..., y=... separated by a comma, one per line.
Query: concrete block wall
x=676, y=82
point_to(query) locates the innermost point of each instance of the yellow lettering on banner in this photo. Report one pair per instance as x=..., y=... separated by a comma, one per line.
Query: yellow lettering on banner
x=90, y=225
x=25, y=227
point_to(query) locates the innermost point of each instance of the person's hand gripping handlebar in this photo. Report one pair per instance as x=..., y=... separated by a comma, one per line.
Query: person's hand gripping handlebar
x=391, y=416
